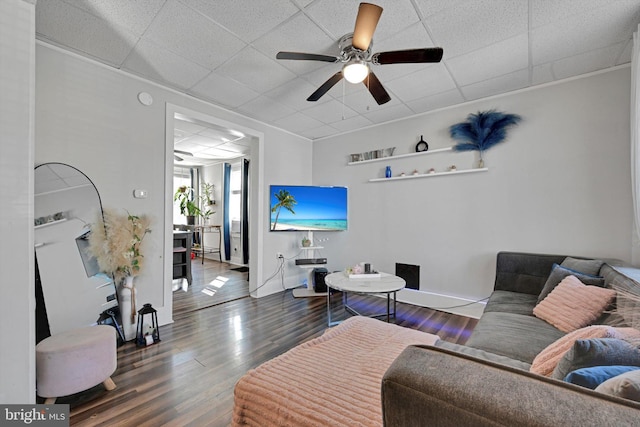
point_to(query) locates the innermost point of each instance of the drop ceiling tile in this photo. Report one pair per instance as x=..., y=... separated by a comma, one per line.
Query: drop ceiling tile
x=265, y=109
x=234, y=148
x=542, y=74
x=477, y=24
x=433, y=102
x=294, y=94
x=586, y=62
x=297, y=122
x=216, y=153
x=411, y=38
x=187, y=127
x=339, y=16
x=61, y=23
x=187, y=33
x=625, y=56
x=136, y=16
x=495, y=60
x=224, y=90
x=433, y=79
x=255, y=70
x=198, y=143
x=363, y=102
x=248, y=20
x=392, y=113
x=220, y=134
x=544, y=12
x=299, y=34
x=319, y=132
x=188, y=146
x=498, y=85
x=162, y=65
x=330, y=112
x=352, y=123
x=432, y=7
x=567, y=38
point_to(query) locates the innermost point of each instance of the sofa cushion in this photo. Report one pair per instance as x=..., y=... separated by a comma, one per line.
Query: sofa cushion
x=513, y=335
x=626, y=385
x=596, y=375
x=484, y=355
x=573, y=305
x=597, y=352
x=558, y=273
x=584, y=266
x=547, y=360
x=511, y=302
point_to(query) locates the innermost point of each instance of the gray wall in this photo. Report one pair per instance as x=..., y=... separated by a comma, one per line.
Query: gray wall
x=17, y=297
x=559, y=184
x=88, y=115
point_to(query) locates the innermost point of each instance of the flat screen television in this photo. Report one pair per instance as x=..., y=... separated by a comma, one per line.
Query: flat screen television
x=308, y=208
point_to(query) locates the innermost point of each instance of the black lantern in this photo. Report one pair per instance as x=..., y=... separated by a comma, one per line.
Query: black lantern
x=147, y=338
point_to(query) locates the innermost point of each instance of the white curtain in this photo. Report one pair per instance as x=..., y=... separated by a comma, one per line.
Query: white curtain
x=635, y=138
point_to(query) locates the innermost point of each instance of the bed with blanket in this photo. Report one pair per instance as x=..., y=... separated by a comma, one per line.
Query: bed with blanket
x=332, y=380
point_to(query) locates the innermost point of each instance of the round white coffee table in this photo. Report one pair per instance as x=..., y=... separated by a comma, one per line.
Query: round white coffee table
x=385, y=284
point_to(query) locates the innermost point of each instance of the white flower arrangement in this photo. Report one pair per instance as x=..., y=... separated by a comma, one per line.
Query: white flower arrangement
x=115, y=241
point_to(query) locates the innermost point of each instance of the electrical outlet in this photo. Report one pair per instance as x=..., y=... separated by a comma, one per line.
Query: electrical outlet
x=279, y=255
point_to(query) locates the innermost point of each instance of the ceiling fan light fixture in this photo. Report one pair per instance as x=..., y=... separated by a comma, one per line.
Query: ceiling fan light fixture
x=355, y=71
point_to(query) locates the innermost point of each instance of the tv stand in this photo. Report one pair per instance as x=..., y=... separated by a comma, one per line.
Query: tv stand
x=309, y=253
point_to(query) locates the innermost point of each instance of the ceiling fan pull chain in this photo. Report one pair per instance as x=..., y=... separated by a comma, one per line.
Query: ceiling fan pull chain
x=343, y=91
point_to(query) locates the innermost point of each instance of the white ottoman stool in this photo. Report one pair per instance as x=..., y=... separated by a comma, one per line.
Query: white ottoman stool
x=75, y=360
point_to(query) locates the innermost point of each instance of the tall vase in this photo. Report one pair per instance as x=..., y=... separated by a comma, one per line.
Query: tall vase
x=128, y=312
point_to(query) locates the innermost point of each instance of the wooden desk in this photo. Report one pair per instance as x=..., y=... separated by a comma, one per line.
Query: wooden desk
x=200, y=230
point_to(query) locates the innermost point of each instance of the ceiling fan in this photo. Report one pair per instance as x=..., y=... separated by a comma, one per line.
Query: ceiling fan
x=355, y=54
x=184, y=153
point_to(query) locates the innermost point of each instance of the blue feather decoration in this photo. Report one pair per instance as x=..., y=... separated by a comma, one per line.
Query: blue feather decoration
x=483, y=130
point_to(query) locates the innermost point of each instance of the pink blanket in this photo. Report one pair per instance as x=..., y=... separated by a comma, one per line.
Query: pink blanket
x=332, y=380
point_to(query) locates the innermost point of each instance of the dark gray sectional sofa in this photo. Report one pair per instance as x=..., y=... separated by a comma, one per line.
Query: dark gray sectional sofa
x=487, y=381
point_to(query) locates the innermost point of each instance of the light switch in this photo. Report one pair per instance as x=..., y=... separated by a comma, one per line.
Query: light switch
x=140, y=194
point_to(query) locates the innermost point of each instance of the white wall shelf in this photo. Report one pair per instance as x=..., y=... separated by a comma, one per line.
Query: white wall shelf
x=429, y=175
x=400, y=156
x=47, y=224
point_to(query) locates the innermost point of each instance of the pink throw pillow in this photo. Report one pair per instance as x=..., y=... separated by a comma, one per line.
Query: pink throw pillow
x=573, y=305
x=546, y=361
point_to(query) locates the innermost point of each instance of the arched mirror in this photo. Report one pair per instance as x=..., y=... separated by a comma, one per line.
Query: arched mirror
x=70, y=290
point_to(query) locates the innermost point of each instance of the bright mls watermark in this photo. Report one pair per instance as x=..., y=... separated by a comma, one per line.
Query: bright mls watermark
x=35, y=415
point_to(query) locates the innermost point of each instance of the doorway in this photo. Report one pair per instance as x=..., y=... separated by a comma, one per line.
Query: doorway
x=200, y=149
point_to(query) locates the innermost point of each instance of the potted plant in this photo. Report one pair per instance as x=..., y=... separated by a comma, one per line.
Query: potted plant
x=207, y=193
x=205, y=213
x=188, y=205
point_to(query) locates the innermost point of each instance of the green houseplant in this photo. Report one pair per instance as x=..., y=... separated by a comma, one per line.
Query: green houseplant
x=188, y=206
x=207, y=193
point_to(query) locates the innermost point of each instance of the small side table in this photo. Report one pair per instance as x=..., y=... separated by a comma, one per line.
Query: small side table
x=385, y=284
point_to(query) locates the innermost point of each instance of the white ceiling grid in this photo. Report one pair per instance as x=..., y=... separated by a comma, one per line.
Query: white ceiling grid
x=223, y=51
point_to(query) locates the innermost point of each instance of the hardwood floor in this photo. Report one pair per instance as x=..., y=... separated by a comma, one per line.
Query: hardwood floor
x=187, y=379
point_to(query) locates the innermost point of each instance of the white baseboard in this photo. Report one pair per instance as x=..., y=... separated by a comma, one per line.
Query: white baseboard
x=446, y=303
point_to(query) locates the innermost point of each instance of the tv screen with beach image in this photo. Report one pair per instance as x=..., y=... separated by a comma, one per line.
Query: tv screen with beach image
x=308, y=208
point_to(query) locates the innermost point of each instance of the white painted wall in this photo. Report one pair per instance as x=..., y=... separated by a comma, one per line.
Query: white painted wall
x=559, y=184
x=88, y=115
x=17, y=295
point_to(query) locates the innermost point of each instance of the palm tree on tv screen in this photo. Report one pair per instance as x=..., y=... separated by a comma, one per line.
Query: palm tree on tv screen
x=285, y=200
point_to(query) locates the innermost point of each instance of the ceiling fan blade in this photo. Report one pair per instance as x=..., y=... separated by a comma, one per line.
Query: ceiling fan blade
x=376, y=89
x=325, y=87
x=186, y=153
x=366, y=22
x=177, y=158
x=409, y=56
x=306, y=56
